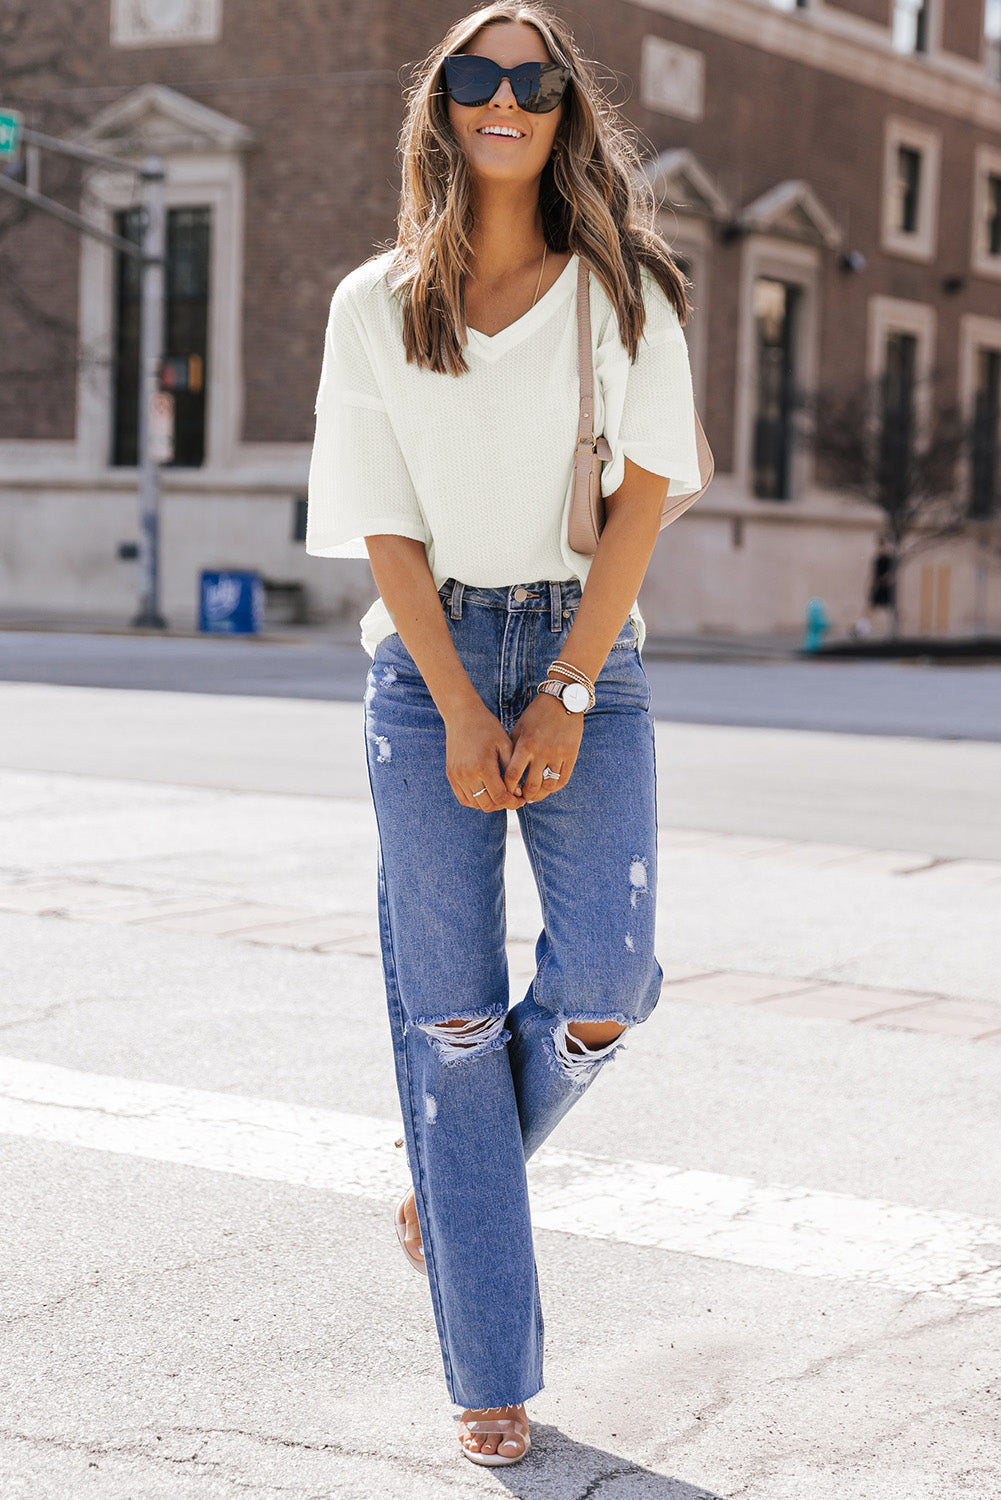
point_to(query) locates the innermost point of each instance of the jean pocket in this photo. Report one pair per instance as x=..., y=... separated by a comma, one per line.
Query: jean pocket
x=392, y=655
x=626, y=638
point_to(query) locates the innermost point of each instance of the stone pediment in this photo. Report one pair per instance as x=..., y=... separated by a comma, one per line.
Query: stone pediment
x=155, y=120
x=793, y=210
x=680, y=182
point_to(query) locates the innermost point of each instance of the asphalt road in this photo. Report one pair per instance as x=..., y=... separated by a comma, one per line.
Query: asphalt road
x=885, y=698
x=769, y=1243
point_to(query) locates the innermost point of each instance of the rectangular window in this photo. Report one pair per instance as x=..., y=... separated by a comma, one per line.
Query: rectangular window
x=912, y=156
x=992, y=224
x=985, y=471
x=910, y=25
x=186, y=294
x=908, y=189
x=776, y=306
x=896, y=443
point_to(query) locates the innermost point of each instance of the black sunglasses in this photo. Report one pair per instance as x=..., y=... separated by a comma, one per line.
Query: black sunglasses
x=538, y=87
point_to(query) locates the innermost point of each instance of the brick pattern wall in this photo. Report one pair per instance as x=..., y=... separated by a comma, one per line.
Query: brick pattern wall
x=322, y=182
x=829, y=131
x=45, y=47
x=963, y=28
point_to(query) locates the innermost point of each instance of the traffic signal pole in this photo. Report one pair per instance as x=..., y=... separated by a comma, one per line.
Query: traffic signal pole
x=151, y=255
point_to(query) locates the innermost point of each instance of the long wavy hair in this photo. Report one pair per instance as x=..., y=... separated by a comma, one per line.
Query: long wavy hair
x=594, y=197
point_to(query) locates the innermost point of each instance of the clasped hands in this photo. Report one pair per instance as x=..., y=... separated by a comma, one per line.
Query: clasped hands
x=481, y=754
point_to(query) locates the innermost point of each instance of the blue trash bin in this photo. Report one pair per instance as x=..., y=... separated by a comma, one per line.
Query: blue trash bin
x=231, y=603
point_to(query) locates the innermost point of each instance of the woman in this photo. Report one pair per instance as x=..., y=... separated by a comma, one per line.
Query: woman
x=506, y=668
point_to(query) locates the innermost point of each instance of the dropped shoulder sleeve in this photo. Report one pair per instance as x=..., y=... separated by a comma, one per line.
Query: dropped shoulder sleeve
x=651, y=405
x=359, y=484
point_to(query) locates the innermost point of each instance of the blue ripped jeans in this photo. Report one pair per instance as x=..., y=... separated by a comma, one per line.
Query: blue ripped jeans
x=477, y=1102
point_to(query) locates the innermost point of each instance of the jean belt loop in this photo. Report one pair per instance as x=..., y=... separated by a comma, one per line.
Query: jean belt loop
x=455, y=603
x=555, y=608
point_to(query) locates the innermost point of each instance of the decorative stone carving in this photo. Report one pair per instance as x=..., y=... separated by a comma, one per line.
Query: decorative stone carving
x=151, y=23
x=679, y=179
x=672, y=78
x=793, y=211
x=154, y=118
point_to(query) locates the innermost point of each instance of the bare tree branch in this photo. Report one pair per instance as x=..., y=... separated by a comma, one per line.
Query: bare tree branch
x=873, y=446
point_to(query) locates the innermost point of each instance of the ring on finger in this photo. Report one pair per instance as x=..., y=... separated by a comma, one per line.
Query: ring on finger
x=548, y=774
x=480, y=792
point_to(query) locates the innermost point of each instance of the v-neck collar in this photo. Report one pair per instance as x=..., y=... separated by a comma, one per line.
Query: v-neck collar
x=491, y=346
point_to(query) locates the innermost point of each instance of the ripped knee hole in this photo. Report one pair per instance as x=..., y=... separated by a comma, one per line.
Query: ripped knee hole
x=576, y=1053
x=462, y=1037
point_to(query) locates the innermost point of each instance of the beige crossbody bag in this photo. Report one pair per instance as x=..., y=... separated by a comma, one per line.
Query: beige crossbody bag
x=587, y=504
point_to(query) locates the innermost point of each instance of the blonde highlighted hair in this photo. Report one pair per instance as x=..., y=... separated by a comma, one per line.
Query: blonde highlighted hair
x=593, y=195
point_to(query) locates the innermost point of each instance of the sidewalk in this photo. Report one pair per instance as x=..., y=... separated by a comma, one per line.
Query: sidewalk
x=346, y=632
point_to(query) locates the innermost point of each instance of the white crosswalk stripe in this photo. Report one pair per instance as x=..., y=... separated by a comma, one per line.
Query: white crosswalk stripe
x=799, y=1231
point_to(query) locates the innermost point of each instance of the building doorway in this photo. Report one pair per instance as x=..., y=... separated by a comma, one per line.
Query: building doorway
x=186, y=332
x=776, y=316
x=985, y=470
x=896, y=437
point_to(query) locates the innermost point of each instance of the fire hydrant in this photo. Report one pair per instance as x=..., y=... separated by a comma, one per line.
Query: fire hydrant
x=817, y=624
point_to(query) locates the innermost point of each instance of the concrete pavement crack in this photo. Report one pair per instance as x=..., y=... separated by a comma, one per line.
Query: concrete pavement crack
x=933, y=864
x=987, y=1270
x=40, y=1017
x=772, y=1466
x=683, y=1492
x=711, y=1409
x=601, y=1479
x=141, y=1450
x=87, y=1109
x=133, y=1275
x=875, y=1444
x=864, y=1346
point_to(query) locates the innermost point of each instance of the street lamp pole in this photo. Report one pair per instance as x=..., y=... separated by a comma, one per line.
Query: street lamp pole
x=151, y=332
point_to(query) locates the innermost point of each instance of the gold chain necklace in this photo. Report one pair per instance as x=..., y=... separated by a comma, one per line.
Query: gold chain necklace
x=542, y=268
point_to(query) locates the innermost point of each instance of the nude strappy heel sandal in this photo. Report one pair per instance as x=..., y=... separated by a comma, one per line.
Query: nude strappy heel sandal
x=416, y=1258
x=516, y=1427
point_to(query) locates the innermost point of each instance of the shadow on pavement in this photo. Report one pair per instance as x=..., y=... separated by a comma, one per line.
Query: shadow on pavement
x=557, y=1465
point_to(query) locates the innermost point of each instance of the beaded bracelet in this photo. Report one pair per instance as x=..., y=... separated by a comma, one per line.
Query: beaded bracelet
x=573, y=674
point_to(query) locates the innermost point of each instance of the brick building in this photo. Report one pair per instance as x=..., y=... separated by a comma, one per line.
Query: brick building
x=831, y=178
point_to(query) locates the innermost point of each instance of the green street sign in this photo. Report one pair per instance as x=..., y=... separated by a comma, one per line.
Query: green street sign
x=10, y=134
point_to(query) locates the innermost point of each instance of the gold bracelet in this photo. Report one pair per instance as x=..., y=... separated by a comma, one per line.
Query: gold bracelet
x=573, y=674
x=570, y=671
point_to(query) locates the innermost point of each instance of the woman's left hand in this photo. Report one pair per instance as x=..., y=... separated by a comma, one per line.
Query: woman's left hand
x=545, y=735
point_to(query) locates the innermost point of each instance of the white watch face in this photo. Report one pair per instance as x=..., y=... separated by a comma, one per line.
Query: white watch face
x=576, y=697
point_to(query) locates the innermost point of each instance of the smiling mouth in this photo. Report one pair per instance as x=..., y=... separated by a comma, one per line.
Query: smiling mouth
x=501, y=135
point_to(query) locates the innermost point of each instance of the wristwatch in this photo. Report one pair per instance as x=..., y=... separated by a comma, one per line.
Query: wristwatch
x=573, y=695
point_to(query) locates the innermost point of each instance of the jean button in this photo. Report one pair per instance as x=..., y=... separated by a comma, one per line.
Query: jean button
x=520, y=595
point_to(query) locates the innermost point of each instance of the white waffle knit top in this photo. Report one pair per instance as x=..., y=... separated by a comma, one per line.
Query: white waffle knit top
x=479, y=466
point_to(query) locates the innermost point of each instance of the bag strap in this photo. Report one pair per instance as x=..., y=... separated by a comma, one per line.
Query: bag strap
x=587, y=446
x=585, y=423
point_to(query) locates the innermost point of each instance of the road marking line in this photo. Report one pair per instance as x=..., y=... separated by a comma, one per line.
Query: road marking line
x=799, y=1231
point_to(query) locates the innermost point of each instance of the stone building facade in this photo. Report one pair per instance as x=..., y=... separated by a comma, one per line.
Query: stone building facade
x=830, y=175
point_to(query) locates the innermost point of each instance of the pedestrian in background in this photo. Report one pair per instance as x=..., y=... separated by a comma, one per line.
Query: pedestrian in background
x=506, y=669
x=882, y=588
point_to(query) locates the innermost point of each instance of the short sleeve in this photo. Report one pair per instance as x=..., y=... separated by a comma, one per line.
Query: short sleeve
x=656, y=425
x=359, y=483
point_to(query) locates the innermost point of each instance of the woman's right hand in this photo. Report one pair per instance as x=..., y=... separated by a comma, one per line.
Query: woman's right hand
x=477, y=751
x=477, y=747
